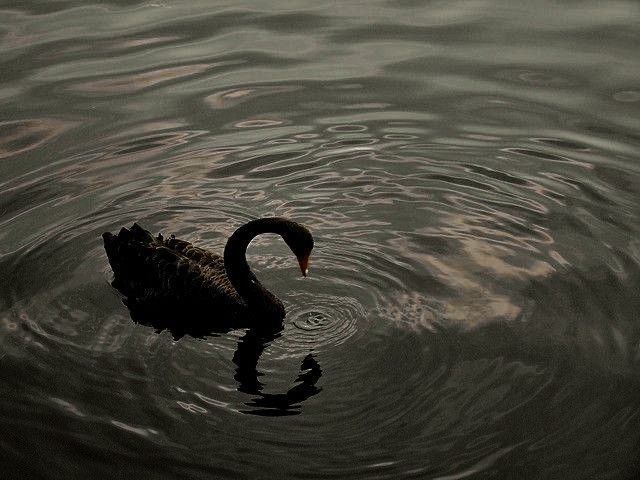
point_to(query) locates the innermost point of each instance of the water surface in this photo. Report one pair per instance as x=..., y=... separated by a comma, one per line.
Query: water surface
x=470, y=173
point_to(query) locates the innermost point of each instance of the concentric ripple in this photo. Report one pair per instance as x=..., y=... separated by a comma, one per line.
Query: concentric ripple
x=323, y=321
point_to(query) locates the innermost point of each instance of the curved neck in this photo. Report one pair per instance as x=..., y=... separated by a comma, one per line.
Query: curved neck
x=240, y=275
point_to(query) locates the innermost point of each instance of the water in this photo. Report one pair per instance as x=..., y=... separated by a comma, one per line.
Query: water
x=469, y=170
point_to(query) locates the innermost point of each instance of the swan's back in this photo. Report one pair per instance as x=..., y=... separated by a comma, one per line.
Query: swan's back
x=168, y=273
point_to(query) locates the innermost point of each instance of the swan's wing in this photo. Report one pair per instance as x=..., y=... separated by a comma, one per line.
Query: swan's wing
x=193, y=279
x=170, y=273
x=197, y=254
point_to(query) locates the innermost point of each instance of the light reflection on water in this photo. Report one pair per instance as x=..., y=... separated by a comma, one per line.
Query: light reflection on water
x=468, y=171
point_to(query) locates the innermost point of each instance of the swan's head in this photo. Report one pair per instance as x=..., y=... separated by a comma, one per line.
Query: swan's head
x=300, y=241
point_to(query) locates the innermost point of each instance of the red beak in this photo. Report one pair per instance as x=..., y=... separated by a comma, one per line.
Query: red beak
x=304, y=264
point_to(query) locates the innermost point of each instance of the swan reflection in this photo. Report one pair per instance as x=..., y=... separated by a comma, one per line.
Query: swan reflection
x=246, y=357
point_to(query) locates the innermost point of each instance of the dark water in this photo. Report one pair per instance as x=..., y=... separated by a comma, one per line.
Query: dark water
x=470, y=171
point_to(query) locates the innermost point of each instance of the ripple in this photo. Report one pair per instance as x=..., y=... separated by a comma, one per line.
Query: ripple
x=18, y=137
x=258, y=123
x=347, y=128
x=537, y=78
x=131, y=83
x=542, y=155
x=627, y=96
x=236, y=96
x=325, y=322
x=562, y=143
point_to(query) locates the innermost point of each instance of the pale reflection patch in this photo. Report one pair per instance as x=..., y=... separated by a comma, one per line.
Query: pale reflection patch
x=23, y=135
x=135, y=82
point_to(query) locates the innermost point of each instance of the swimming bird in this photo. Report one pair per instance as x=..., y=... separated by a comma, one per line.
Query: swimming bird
x=172, y=277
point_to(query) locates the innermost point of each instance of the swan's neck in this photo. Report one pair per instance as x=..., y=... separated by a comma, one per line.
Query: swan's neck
x=256, y=297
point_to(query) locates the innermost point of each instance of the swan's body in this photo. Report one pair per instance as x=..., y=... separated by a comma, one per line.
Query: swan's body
x=171, y=276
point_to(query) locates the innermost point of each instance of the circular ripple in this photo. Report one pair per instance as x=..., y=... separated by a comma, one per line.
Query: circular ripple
x=347, y=128
x=327, y=321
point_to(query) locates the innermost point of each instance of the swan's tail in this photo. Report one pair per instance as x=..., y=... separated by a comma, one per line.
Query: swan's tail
x=135, y=234
x=128, y=251
x=125, y=243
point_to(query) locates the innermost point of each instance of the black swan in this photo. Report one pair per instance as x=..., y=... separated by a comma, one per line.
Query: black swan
x=172, y=277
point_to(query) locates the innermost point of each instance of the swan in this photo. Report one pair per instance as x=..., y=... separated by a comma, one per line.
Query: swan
x=172, y=277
